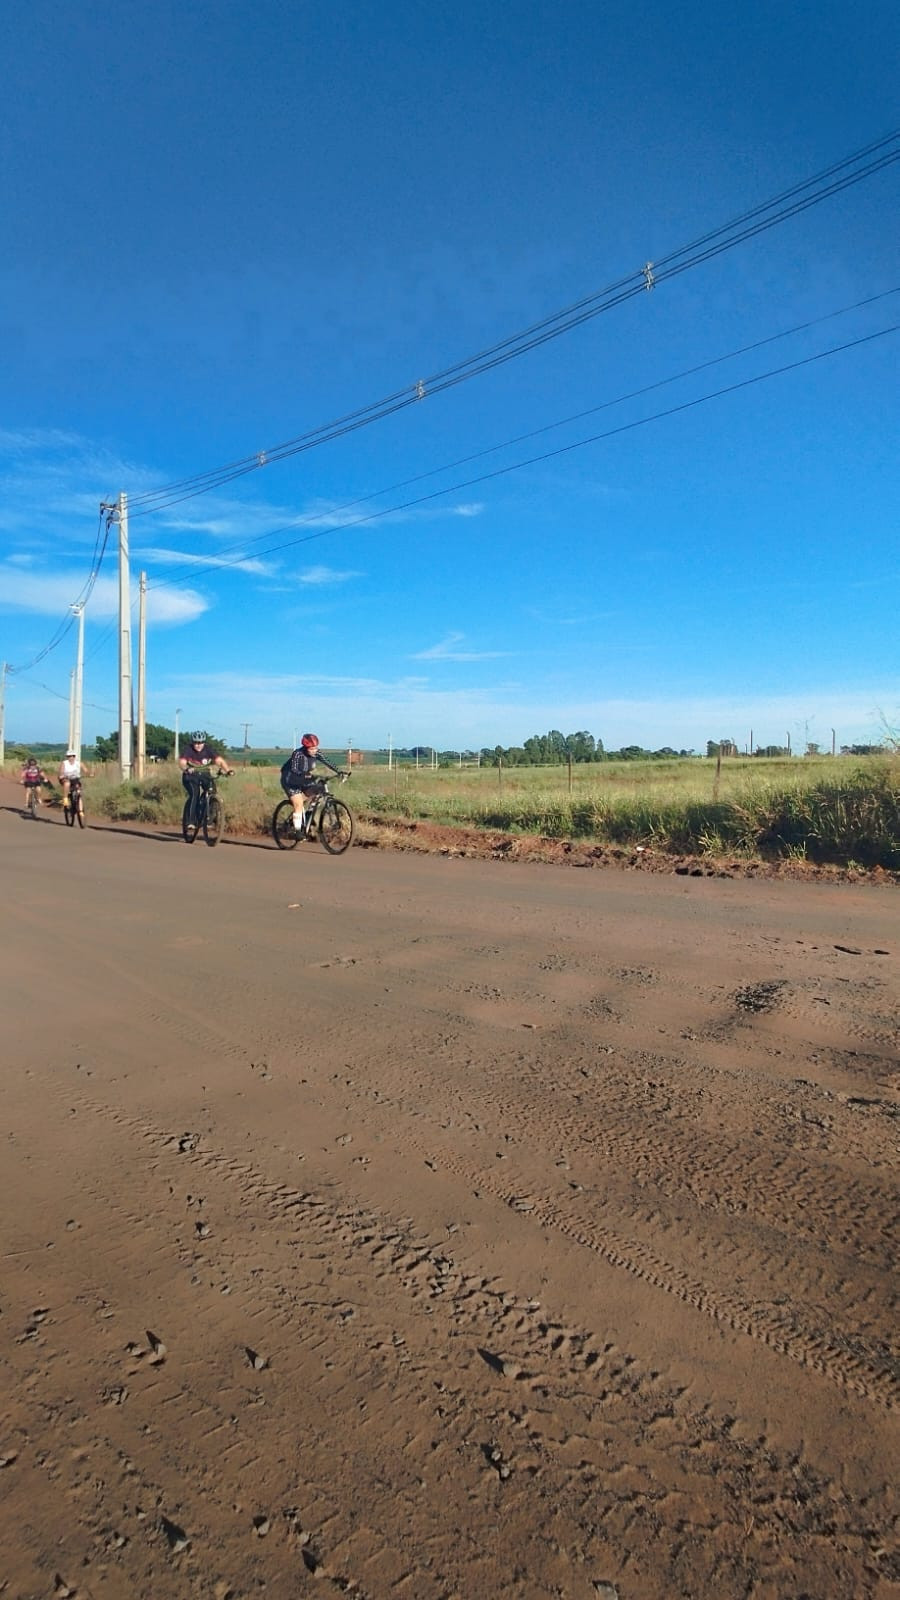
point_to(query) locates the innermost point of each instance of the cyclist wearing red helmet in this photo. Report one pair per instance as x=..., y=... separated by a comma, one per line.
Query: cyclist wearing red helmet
x=297, y=777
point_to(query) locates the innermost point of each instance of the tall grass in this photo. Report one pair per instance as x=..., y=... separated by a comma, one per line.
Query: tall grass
x=824, y=810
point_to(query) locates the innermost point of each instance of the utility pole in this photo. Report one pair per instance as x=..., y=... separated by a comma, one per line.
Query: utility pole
x=3, y=671
x=390, y=753
x=832, y=741
x=79, y=683
x=70, y=745
x=177, y=715
x=142, y=679
x=349, y=752
x=246, y=727
x=119, y=514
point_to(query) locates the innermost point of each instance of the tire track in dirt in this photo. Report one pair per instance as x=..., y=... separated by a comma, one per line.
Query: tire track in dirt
x=537, y=1358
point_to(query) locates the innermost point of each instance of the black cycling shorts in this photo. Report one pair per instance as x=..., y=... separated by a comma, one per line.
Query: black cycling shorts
x=292, y=784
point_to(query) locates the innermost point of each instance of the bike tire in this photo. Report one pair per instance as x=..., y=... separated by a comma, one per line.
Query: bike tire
x=283, y=831
x=69, y=815
x=80, y=815
x=188, y=828
x=213, y=820
x=335, y=826
x=31, y=804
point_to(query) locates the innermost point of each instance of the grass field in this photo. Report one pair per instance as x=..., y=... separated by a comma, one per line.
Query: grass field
x=844, y=810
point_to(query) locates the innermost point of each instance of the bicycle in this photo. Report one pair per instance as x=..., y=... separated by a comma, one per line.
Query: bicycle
x=73, y=804
x=331, y=819
x=32, y=797
x=209, y=813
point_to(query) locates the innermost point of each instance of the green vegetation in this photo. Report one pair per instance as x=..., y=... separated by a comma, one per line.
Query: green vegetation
x=823, y=809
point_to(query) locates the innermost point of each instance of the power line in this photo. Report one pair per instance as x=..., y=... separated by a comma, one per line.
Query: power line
x=578, y=444
x=790, y=203
x=244, y=545
x=36, y=684
x=81, y=599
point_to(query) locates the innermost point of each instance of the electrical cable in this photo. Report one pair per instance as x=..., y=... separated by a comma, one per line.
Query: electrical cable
x=81, y=599
x=244, y=545
x=749, y=224
x=578, y=444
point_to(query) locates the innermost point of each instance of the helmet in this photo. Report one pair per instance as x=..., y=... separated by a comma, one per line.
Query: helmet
x=198, y=738
x=310, y=741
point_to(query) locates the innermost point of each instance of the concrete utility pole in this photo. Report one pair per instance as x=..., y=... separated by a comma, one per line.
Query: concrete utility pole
x=79, y=683
x=246, y=727
x=142, y=678
x=70, y=742
x=390, y=752
x=3, y=671
x=177, y=715
x=119, y=512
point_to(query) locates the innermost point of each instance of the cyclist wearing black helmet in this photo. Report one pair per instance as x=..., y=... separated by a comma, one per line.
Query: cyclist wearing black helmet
x=195, y=765
x=297, y=777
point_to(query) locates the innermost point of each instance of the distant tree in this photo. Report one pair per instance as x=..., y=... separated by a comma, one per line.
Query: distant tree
x=862, y=749
x=581, y=746
x=160, y=743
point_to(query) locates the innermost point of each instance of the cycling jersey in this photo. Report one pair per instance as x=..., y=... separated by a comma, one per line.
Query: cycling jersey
x=198, y=758
x=70, y=769
x=298, y=771
x=31, y=777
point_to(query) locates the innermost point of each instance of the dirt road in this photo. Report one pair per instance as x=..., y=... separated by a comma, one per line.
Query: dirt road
x=437, y=1228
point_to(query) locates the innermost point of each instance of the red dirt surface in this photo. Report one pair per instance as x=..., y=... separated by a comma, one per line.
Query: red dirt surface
x=399, y=1225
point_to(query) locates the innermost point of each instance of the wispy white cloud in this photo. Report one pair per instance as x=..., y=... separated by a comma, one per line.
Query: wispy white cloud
x=412, y=711
x=446, y=650
x=264, y=569
x=320, y=575
x=474, y=508
x=51, y=595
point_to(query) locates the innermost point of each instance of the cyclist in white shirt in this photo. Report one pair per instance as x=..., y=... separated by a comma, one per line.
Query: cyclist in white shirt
x=69, y=768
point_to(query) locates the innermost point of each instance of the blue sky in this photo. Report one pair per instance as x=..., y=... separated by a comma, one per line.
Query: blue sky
x=228, y=226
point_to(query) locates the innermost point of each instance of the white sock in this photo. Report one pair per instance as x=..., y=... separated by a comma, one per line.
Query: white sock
x=298, y=820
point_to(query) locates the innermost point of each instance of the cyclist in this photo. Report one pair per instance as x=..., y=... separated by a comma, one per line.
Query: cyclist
x=33, y=775
x=297, y=777
x=69, y=768
x=195, y=765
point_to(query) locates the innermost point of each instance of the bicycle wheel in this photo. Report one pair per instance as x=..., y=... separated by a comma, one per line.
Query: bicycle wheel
x=213, y=820
x=31, y=803
x=283, y=830
x=335, y=826
x=79, y=812
x=69, y=813
x=188, y=828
